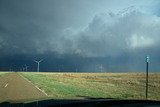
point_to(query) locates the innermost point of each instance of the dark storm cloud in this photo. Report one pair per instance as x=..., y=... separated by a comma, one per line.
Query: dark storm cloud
x=36, y=26
x=81, y=28
x=29, y=27
x=112, y=34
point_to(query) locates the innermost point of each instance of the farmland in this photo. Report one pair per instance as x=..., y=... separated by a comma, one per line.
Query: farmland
x=2, y=73
x=96, y=85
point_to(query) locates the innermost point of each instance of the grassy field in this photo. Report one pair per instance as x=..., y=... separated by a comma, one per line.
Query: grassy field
x=96, y=85
x=2, y=73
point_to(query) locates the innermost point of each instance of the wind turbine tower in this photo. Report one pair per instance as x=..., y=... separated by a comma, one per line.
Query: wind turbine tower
x=101, y=67
x=38, y=64
x=26, y=67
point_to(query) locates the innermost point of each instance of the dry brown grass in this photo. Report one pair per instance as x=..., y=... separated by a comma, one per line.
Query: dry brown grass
x=115, y=85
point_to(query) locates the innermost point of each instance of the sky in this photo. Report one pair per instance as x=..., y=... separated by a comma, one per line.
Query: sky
x=80, y=35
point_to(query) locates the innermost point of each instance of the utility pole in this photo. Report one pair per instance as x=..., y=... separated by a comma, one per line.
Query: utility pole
x=147, y=63
x=38, y=64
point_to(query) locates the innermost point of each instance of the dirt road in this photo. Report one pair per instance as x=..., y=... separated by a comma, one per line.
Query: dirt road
x=14, y=88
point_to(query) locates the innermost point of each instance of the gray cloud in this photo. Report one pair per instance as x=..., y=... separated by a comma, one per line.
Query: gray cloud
x=65, y=31
x=108, y=34
x=113, y=34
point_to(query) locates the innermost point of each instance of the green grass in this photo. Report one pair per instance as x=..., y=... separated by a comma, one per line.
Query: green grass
x=96, y=85
x=3, y=73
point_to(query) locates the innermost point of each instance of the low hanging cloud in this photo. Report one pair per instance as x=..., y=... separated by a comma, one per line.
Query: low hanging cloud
x=140, y=41
x=108, y=34
x=112, y=34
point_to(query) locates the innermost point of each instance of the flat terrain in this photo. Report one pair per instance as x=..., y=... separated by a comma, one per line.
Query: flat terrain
x=29, y=86
x=96, y=85
x=14, y=87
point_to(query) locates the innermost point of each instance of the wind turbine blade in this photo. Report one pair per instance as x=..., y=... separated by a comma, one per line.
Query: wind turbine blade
x=35, y=61
x=41, y=60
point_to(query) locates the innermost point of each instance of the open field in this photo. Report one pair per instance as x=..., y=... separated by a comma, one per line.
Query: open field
x=2, y=73
x=96, y=85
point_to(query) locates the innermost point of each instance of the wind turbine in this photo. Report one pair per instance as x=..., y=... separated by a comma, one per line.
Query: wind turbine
x=101, y=67
x=26, y=67
x=23, y=68
x=76, y=69
x=38, y=64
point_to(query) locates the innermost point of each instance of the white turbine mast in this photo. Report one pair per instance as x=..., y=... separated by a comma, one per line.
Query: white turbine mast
x=23, y=68
x=26, y=67
x=101, y=67
x=38, y=62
